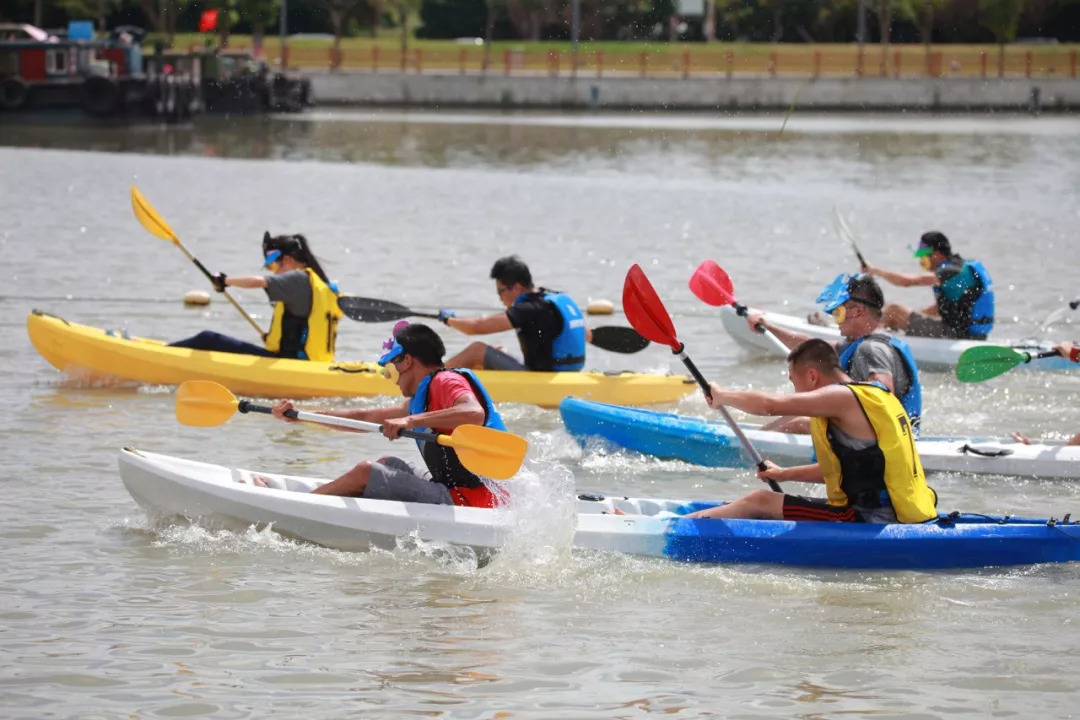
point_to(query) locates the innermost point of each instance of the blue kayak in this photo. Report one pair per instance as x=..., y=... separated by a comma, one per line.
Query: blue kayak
x=712, y=444
x=654, y=528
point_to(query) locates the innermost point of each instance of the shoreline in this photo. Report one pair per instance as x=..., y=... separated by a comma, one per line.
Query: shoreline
x=448, y=90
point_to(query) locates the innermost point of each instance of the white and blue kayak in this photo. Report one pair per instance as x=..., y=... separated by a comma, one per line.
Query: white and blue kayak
x=226, y=497
x=930, y=353
x=712, y=444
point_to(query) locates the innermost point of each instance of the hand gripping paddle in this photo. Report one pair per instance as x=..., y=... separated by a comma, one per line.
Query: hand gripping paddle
x=647, y=314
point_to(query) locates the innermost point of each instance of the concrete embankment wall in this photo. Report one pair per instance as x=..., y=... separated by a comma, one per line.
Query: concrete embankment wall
x=717, y=93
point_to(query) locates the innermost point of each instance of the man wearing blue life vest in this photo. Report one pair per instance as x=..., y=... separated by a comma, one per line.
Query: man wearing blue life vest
x=862, y=437
x=550, y=327
x=440, y=398
x=867, y=353
x=963, y=294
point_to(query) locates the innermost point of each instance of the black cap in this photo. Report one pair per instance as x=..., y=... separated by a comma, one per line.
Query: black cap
x=932, y=242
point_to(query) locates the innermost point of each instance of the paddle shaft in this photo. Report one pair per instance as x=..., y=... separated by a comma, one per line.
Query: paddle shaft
x=750, y=449
x=846, y=232
x=1028, y=357
x=210, y=277
x=760, y=327
x=247, y=407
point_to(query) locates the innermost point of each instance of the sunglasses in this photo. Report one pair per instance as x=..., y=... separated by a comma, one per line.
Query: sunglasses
x=272, y=257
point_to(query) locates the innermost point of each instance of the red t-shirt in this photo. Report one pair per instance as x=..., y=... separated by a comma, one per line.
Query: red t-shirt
x=445, y=390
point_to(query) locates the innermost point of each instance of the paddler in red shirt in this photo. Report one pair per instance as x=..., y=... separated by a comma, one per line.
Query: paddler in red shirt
x=440, y=399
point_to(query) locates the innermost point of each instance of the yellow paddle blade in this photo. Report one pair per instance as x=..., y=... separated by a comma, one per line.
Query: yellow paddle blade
x=149, y=218
x=204, y=403
x=488, y=452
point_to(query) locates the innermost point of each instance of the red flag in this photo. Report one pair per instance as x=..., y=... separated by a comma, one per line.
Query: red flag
x=208, y=20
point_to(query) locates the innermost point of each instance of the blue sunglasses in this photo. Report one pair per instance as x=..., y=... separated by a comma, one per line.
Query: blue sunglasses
x=272, y=257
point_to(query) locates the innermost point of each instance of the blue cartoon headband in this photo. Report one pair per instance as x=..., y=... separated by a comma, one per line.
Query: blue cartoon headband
x=393, y=348
x=836, y=293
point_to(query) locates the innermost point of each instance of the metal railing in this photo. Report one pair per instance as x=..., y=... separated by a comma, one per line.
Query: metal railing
x=899, y=61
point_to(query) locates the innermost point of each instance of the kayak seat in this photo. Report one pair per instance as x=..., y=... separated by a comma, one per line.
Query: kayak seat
x=985, y=451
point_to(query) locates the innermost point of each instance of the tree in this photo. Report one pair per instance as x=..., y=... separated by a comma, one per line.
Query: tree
x=404, y=8
x=777, y=8
x=884, y=16
x=1001, y=17
x=340, y=11
x=228, y=16
x=97, y=9
x=926, y=10
x=259, y=13
x=163, y=15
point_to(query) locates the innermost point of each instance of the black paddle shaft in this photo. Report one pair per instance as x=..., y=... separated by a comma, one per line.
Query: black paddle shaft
x=681, y=353
x=741, y=311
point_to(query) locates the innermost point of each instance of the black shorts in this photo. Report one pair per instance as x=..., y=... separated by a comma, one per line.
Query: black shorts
x=495, y=359
x=801, y=508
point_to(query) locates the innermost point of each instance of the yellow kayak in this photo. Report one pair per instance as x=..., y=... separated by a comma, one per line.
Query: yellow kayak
x=90, y=354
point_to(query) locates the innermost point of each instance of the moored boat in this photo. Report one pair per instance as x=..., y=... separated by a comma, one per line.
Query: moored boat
x=650, y=527
x=930, y=353
x=94, y=355
x=712, y=444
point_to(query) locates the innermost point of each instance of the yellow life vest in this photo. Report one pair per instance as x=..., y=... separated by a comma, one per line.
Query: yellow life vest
x=320, y=335
x=902, y=474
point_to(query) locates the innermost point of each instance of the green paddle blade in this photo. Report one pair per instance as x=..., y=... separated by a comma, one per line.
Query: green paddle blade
x=204, y=403
x=987, y=361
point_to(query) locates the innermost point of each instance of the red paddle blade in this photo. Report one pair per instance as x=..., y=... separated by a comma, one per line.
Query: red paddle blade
x=645, y=311
x=712, y=285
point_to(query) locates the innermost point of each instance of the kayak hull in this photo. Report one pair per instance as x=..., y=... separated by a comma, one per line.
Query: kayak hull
x=648, y=527
x=91, y=355
x=226, y=498
x=713, y=444
x=930, y=353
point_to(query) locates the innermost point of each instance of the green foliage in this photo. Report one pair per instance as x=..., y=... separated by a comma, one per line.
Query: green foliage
x=1001, y=17
x=452, y=18
x=255, y=11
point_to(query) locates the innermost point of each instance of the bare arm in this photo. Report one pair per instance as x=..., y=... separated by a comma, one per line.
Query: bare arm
x=465, y=411
x=789, y=338
x=481, y=325
x=798, y=473
x=246, y=281
x=829, y=401
x=903, y=279
x=375, y=415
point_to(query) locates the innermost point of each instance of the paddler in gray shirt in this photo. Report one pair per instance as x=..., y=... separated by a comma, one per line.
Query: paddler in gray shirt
x=868, y=354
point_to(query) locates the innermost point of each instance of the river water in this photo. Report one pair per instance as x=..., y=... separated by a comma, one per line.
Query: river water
x=106, y=614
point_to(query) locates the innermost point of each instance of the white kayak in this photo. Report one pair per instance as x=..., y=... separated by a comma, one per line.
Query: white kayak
x=639, y=526
x=712, y=443
x=930, y=353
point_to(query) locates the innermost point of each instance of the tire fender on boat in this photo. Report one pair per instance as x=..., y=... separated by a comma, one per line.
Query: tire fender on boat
x=13, y=93
x=100, y=96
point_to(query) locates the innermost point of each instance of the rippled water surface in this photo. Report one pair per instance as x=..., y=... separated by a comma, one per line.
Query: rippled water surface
x=106, y=613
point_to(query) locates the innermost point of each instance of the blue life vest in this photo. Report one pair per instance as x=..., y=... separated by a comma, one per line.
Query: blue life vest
x=568, y=347
x=912, y=399
x=442, y=461
x=971, y=315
